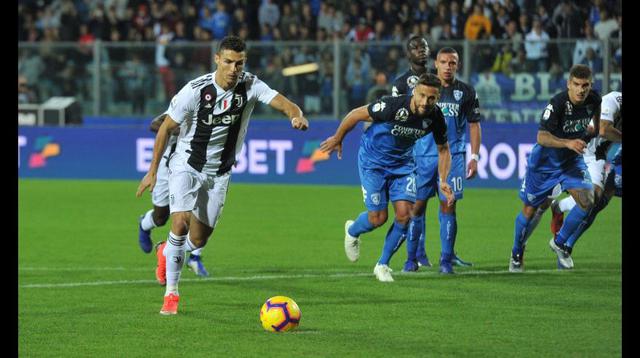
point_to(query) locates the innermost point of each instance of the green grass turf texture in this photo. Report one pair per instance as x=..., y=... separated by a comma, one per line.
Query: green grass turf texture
x=288, y=240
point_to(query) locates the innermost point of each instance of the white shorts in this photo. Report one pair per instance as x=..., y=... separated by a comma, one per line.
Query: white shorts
x=160, y=193
x=596, y=171
x=190, y=190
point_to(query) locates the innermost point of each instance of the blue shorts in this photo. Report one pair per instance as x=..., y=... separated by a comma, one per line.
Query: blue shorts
x=379, y=186
x=536, y=187
x=427, y=175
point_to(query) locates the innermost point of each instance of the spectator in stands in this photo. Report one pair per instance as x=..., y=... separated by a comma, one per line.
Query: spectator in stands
x=546, y=21
x=606, y=26
x=26, y=94
x=135, y=73
x=457, y=20
x=360, y=33
x=536, y=43
x=500, y=20
x=310, y=22
x=162, y=62
x=221, y=21
x=502, y=63
x=475, y=23
x=513, y=10
x=422, y=13
x=568, y=25
x=268, y=13
x=589, y=41
x=523, y=24
x=403, y=16
x=519, y=63
x=592, y=60
x=514, y=35
x=390, y=10
x=287, y=19
x=594, y=12
x=380, y=88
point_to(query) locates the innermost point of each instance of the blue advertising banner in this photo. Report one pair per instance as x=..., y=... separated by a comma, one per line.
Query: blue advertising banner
x=519, y=98
x=272, y=153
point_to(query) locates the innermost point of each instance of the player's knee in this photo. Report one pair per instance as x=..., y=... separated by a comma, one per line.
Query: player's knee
x=418, y=208
x=403, y=218
x=528, y=211
x=377, y=219
x=160, y=217
x=180, y=224
x=586, y=201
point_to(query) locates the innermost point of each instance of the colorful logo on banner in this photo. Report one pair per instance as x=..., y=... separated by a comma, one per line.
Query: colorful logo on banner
x=44, y=148
x=312, y=154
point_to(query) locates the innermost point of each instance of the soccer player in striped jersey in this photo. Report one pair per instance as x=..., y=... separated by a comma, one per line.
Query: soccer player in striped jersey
x=213, y=113
x=386, y=165
x=159, y=215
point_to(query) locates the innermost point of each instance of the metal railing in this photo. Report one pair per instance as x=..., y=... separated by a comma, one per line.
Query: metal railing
x=122, y=78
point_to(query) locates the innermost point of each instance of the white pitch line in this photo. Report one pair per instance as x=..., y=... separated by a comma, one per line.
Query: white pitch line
x=274, y=277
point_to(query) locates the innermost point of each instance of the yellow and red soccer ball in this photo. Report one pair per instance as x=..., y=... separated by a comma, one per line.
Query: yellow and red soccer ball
x=280, y=314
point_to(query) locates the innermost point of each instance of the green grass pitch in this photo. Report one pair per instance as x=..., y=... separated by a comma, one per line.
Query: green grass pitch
x=87, y=290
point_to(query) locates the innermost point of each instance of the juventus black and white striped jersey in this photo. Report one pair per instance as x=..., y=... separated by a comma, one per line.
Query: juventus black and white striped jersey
x=213, y=122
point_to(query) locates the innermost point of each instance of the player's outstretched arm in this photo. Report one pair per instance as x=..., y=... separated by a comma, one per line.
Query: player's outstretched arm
x=444, y=167
x=546, y=139
x=149, y=180
x=291, y=110
x=334, y=143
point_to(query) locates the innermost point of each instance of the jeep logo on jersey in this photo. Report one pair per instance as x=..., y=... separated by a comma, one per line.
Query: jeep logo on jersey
x=225, y=120
x=402, y=115
x=457, y=94
x=411, y=81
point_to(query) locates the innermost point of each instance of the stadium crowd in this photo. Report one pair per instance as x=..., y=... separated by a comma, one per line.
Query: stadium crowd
x=528, y=25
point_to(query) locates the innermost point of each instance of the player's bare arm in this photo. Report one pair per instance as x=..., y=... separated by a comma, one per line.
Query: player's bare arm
x=157, y=122
x=475, y=134
x=444, y=167
x=291, y=110
x=546, y=139
x=160, y=144
x=609, y=132
x=334, y=143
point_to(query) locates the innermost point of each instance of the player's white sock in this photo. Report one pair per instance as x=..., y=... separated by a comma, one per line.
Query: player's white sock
x=175, y=252
x=190, y=246
x=566, y=204
x=147, y=222
x=197, y=252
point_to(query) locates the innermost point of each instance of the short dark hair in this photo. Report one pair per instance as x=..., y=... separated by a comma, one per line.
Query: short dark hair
x=582, y=72
x=429, y=79
x=414, y=38
x=448, y=50
x=233, y=43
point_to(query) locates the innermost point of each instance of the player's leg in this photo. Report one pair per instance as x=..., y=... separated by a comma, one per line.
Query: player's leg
x=402, y=193
x=206, y=213
x=374, y=191
x=426, y=181
x=577, y=182
x=185, y=186
x=160, y=213
x=447, y=215
x=535, y=189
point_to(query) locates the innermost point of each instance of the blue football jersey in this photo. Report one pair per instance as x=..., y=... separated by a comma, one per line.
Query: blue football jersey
x=564, y=120
x=389, y=141
x=459, y=104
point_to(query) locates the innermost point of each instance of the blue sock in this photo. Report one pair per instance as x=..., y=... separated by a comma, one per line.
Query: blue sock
x=520, y=236
x=421, y=250
x=361, y=225
x=395, y=233
x=448, y=231
x=571, y=223
x=416, y=226
x=601, y=204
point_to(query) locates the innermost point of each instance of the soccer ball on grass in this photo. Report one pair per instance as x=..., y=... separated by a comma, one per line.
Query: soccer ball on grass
x=280, y=314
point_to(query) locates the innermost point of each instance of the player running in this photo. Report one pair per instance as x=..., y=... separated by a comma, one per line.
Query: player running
x=386, y=165
x=557, y=158
x=214, y=111
x=159, y=215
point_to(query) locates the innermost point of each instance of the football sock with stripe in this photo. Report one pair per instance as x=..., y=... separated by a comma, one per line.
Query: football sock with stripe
x=147, y=222
x=392, y=241
x=175, y=253
x=448, y=231
x=361, y=225
x=520, y=235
